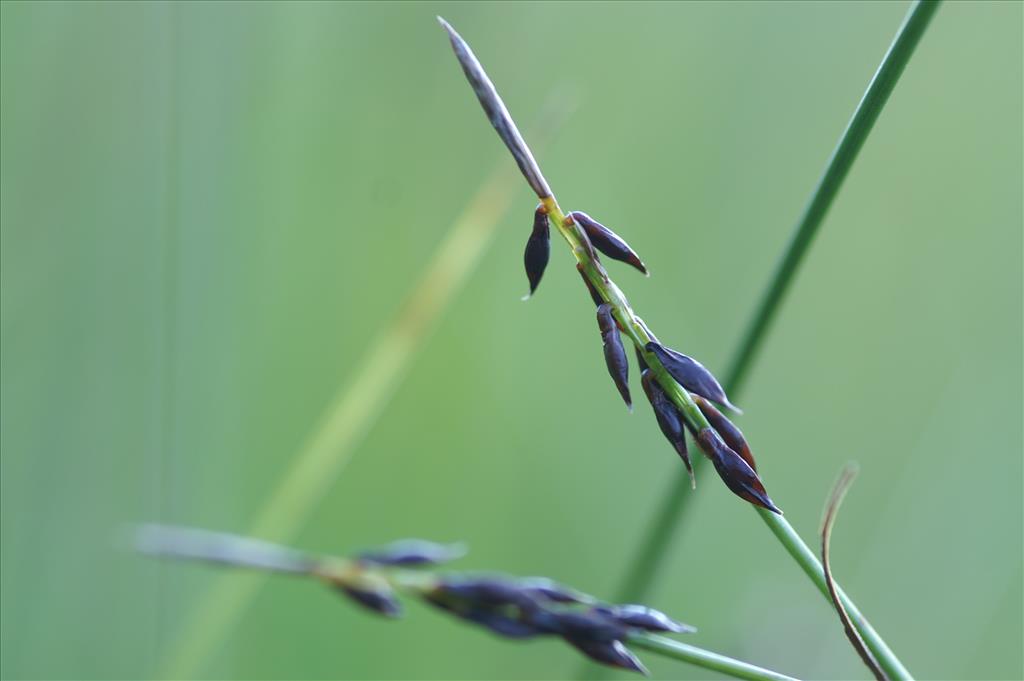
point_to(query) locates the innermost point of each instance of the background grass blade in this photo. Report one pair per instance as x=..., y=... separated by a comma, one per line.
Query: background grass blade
x=642, y=572
x=353, y=412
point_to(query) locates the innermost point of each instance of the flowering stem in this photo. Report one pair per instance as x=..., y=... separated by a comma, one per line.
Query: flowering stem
x=230, y=550
x=842, y=159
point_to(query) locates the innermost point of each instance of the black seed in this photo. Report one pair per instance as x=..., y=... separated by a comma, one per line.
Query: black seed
x=380, y=601
x=734, y=471
x=691, y=374
x=729, y=432
x=669, y=419
x=412, y=552
x=594, y=295
x=610, y=653
x=538, y=248
x=642, y=617
x=614, y=353
x=607, y=241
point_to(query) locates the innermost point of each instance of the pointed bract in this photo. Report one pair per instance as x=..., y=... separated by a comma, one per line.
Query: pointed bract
x=553, y=591
x=538, y=249
x=669, y=419
x=734, y=471
x=607, y=241
x=614, y=353
x=727, y=429
x=691, y=374
x=612, y=654
x=381, y=601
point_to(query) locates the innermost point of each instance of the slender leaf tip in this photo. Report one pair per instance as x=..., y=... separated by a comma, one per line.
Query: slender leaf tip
x=496, y=112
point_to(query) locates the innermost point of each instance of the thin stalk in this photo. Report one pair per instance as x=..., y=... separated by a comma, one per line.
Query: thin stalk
x=642, y=572
x=704, y=658
x=850, y=143
x=230, y=550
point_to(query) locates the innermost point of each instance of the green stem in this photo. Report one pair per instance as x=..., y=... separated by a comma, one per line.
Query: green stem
x=651, y=553
x=809, y=563
x=704, y=658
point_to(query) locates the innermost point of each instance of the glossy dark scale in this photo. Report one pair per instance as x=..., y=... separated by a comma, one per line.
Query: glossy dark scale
x=614, y=353
x=690, y=374
x=538, y=248
x=607, y=241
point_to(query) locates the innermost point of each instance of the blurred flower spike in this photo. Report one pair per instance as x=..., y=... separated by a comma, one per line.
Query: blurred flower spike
x=509, y=607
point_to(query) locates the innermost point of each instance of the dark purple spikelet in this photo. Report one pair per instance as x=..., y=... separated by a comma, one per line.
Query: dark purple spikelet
x=610, y=653
x=483, y=591
x=496, y=112
x=553, y=591
x=727, y=429
x=502, y=625
x=538, y=248
x=691, y=374
x=412, y=553
x=669, y=419
x=642, y=617
x=594, y=295
x=588, y=626
x=734, y=471
x=382, y=602
x=614, y=353
x=607, y=241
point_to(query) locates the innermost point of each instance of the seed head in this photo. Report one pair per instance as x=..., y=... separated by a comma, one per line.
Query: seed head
x=734, y=471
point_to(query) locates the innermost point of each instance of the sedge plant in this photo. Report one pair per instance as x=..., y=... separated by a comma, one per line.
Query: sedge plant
x=680, y=389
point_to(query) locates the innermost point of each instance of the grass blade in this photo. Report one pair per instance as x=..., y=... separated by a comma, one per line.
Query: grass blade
x=643, y=570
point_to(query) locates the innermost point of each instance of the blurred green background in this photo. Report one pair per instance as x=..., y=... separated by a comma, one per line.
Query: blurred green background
x=210, y=210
